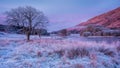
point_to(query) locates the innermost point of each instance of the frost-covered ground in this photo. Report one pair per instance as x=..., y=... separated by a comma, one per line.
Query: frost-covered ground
x=57, y=52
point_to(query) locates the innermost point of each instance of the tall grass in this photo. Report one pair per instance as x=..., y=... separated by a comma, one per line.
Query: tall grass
x=65, y=51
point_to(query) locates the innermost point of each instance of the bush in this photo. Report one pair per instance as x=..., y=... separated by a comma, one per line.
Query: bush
x=60, y=52
x=107, y=52
x=77, y=52
x=63, y=32
x=77, y=66
x=86, y=34
x=118, y=48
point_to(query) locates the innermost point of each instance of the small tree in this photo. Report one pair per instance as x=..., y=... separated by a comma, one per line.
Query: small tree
x=28, y=17
x=63, y=32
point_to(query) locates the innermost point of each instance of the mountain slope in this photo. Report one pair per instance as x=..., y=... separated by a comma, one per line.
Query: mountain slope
x=110, y=19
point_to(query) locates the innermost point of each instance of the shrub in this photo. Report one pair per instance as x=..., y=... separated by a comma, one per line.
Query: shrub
x=118, y=48
x=107, y=51
x=39, y=54
x=86, y=34
x=60, y=52
x=77, y=66
x=63, y=32
x=77, y=52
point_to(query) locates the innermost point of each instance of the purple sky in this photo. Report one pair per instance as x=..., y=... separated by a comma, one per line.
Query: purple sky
x=64, y=13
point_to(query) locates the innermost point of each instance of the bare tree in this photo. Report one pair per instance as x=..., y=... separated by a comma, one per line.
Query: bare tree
x=28, y=17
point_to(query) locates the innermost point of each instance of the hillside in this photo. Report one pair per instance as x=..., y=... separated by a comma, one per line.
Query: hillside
x=109, y=19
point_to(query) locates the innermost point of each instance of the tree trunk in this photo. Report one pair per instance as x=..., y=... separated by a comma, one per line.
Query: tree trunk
x=28, y=36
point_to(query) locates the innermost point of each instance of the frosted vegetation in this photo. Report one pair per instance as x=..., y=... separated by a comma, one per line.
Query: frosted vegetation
x=57, y=52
